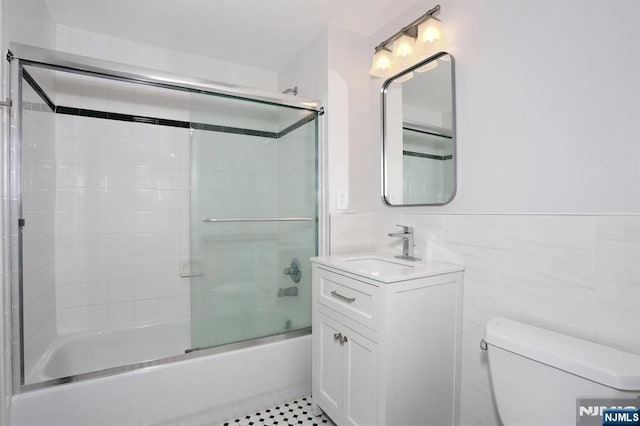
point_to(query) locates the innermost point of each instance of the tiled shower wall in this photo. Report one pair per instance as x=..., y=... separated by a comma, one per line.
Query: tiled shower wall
x=297, y=175
x=574, y=274
x=121, y=265
x=236, y=177
x=122, y=203
x=250, y=176
x=38, y=237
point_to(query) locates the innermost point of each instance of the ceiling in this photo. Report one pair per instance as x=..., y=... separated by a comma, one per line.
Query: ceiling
x=261, y=33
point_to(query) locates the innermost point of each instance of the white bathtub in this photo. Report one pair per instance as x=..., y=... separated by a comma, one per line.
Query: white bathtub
x=84, y=352
x=200, y=390
x=78, y=353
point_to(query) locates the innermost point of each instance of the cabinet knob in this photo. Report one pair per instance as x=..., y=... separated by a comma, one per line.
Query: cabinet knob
x=337, y=337
x=344, y=339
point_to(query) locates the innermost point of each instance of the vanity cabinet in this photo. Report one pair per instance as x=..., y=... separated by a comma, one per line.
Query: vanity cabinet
x=386, y=341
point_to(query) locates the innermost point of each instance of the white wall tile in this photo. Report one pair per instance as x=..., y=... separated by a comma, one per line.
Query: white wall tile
x=121, y=314
x=169, y=222
x=169, y=308
x=145, y=200
x=120, y=268
x=145, y=288
x=146, y=311
x=146, y=177
x=169, y=157
x=171, y=286
x=120, y=199
x=146, y=155
x=121, y=290
x=83, y=318
x=573, y=274
x=145, y=244
x=145, y=221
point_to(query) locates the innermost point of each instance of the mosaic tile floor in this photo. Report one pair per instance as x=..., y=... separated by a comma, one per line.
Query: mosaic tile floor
x=292, y=413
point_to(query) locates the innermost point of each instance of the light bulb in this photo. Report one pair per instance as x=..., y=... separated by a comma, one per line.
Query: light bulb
x=430, y=36
x=382, y=64
x=403, y=49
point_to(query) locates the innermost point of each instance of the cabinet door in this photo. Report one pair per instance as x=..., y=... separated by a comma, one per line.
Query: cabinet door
x=330, y=366
x=361, y=380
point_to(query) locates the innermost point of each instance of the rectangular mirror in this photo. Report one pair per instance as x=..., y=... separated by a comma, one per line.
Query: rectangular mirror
x=419, y=142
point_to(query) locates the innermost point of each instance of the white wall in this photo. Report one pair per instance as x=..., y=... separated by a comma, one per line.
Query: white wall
x=559, y=135
x=545, y=125
x=329, y=70
x=116, y=49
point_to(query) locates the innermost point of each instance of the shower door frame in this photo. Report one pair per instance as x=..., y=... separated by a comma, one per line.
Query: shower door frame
x=23, y=55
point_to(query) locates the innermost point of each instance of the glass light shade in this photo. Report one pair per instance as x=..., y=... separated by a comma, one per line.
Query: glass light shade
x=431, y=65
x=430, y=36
x=403, y=49
x=382, y=64
x=404, y=78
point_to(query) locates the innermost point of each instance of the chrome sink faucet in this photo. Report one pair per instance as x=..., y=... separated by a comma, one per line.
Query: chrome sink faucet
x=407, y=242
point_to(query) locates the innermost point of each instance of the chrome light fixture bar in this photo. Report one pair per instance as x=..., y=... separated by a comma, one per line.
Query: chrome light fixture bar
x=414, y=42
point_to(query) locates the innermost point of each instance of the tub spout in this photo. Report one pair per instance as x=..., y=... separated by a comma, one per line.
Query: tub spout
x=289, y=291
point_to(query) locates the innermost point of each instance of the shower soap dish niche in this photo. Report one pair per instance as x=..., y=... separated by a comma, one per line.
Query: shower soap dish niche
x=189, y=269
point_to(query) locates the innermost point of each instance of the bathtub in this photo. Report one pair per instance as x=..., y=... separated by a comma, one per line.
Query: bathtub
x=84, y=352
x=201, y=387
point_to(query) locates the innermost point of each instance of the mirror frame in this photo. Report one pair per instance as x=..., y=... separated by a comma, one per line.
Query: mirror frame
x=454, y=137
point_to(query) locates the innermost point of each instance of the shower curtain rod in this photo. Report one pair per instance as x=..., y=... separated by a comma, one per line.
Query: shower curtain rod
x=45, y=58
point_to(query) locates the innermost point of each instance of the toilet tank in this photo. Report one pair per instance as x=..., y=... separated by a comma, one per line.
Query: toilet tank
x=538, y=375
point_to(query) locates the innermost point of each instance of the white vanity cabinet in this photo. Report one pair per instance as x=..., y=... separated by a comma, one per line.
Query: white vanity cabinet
x=386, y=341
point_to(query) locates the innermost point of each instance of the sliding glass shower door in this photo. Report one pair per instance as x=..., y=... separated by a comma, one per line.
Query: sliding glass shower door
x=253, y=223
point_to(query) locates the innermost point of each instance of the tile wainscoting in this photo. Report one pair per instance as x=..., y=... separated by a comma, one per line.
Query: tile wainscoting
x=575, y=274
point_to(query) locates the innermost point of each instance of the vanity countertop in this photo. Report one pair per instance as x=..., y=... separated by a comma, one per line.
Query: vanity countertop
x=385, y=268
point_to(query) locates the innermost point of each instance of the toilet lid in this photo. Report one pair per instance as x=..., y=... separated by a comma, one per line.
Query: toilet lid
x=602, y=364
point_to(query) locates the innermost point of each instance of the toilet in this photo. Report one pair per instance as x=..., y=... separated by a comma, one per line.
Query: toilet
x=537, y=375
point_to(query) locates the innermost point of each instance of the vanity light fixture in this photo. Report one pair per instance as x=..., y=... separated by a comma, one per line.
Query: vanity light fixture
x=428, y=67
x=429, y=37
x=403, y=49
x=418, y=40
x=404, y=78
x=382, y=63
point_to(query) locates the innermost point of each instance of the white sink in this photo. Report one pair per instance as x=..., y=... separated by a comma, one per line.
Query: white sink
x=378, y=264
x=387, y=268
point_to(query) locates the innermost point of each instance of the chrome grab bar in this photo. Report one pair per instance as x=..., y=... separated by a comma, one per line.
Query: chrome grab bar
x=257, y=219
x=344, y=298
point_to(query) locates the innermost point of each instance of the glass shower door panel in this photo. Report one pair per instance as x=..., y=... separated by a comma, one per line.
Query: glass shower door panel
x=247, y=176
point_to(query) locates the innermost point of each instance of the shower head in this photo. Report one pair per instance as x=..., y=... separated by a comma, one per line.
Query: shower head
x=293, y=90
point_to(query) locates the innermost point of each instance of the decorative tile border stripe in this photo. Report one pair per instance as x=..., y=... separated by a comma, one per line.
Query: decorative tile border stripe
x=81, y=112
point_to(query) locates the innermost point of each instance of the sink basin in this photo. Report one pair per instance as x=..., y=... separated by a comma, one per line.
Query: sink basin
x=377, y=264
x=385, y=268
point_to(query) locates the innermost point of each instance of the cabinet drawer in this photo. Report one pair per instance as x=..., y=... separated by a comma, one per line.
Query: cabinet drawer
x=352, y=298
